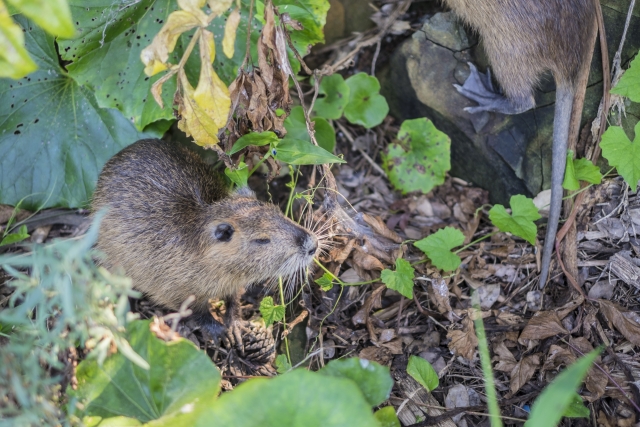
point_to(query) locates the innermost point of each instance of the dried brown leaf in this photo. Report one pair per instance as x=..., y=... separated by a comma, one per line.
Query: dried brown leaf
x=523, y=371
x=626, y=322
x=543, y=324
x=439, y=294
x=380, y=228
x=504, y=357
x=463, y=342
x=366, y=261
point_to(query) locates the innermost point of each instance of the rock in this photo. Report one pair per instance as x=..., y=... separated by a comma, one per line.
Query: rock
x=510, y=154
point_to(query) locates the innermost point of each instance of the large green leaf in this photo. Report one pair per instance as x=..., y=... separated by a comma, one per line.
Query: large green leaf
x=623, y=153
x=181, y=381
x=296, y=399
x=54, y=138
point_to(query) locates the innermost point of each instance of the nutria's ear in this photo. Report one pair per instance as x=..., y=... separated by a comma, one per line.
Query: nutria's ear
x=244, y=192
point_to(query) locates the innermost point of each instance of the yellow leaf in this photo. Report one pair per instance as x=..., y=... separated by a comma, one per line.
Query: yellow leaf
x=229, y=41
x=191, y=5
x=194, y=121
x=53, y=16
x=218, y=7
x=211, y=94
x=156, y=54
x=15, y=62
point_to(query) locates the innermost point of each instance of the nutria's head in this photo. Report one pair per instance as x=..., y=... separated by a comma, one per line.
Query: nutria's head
x=253, y=242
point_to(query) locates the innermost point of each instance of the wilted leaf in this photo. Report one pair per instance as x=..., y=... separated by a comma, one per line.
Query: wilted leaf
x=626, y=322
x=336, y=96
x=463, y=342
x=543, y=324
x=230, y=28
x=419, y=159
x=438, y=248
x=15, y=61
x=504, y=357
x=520, y=222
x=373, y=380
x=211, y=94
x=194, y=121
x=629, y=84
x=401, y=279
x=622, y=153
x=271, y=313
x=523, y=371
x=423, y=372
x=366, y=107
x=53, y=16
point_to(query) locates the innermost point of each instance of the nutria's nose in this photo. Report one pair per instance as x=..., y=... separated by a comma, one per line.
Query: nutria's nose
x=307, y=242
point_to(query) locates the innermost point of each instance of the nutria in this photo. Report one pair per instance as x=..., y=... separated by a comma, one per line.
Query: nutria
x=523, y=39
x=176, y=230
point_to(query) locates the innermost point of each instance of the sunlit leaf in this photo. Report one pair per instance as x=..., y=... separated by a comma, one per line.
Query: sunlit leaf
x=15, y=61
x=194, y=121
x=629, y=84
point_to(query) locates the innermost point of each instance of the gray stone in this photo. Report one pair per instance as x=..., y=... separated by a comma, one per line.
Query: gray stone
x=444, y=29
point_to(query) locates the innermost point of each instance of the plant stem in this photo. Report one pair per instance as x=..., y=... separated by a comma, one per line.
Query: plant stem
x=284, y=319
x=486, y=236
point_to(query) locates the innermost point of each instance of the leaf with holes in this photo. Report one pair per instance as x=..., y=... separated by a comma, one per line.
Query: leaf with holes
x=520, y=221
x=336, y=96
x=401, y=279
x=54, y=137
x=366, y=107
x=622, y=153
x=438, y=248
x=420, y=157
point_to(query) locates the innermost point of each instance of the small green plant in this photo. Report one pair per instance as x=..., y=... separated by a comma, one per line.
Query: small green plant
x=580, y=170
x=623, y=153
x=629, y=84
x=423, y=372
x=438, y=248
x=270, y=312
x=182, y=387
x=401, y=279
x=521, y=220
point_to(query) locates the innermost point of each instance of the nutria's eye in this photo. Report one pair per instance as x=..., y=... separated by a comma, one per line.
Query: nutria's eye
x=223, y=232
x=262, y=241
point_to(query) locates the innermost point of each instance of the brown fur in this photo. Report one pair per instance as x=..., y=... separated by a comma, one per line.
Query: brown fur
x=165, y=205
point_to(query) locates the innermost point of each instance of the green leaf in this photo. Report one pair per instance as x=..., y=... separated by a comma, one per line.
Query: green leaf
x=296, y=127
x=373, y=379
x=299, y=152
x=366, y=107
x=271, y=313
x=282, y=363
x=53, y=16
x=422, y=371
x=325, y=282
x=580, y=170
x=257, y=139
x=400, y=280
x=576, y=408
x=387, y=417
x=239, y=176
x=629, y=84
x=549, y=407
x=54, y=138
x=15, y=61
x=296, y=399
x=180, y=377
x=520, y=222
x=336, y=96
x=622, y=153
x=438, y=248
x=15, y=237
x=312, y=14
x=420, y=158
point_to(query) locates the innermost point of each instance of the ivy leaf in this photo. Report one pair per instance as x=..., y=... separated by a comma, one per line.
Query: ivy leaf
x=239, y=176
x=400, y=280
x=257, y=139
x=296, y=127
x=271, y=313
x=422, y=371
x=622, y=153
x=299, y=152
x=366, y=107
x=325, y=282
x=420, y=158
x=629, y=84
x=336, y=96
x=438, y=248
x=520, y=222
x=54, y=138
x=580, y=170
